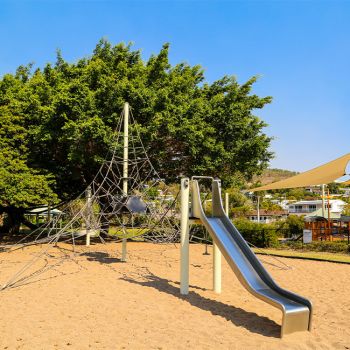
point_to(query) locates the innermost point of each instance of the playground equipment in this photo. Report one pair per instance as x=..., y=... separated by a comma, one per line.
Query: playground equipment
x=296, y=310
x=117, y=205
x=120, y=192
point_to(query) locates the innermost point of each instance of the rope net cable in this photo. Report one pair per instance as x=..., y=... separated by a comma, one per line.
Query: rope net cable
x=148, y=212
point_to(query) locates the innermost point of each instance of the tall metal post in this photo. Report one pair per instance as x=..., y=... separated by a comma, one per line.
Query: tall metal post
x=126, y=149
x=184, y=253
x=216, y=269
x=323, y=200
x=125, y=167
x=227, y=203
x=217, y=259
x=49, y=212
x=258, y=211
x=88, y=215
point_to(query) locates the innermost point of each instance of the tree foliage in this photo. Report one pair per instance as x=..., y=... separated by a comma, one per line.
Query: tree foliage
x=66, y=113
x=20, y=185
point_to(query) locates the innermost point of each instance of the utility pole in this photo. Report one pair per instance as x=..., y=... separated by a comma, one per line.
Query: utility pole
x=323, y=200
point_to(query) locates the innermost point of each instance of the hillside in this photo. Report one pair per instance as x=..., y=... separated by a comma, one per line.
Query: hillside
x=273, y=175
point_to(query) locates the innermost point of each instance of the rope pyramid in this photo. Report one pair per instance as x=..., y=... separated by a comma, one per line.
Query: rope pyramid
x=148, y=211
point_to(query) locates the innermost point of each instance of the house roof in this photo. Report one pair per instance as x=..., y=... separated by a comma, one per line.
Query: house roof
x=44, y=211
x=318, y=214
x=318, y=201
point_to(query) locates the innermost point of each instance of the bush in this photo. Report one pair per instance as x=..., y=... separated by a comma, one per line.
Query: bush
x=260, y=235
x=324, y=246
x=293, y=225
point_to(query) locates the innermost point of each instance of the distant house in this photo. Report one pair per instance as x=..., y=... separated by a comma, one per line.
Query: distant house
x=346, y=191
x=314, y=189
x=336, y=206
x=267, y=216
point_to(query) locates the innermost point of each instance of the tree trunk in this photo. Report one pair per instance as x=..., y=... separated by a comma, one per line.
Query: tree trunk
x=15, y=216
x=29, y=224
x=12, y=224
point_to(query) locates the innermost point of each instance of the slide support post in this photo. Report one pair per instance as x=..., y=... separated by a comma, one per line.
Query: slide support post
x=184, y=253
x=216, y=269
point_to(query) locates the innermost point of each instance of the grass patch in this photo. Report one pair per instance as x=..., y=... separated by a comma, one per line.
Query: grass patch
x=309, y=255
x=130, y=232
x=318, y=246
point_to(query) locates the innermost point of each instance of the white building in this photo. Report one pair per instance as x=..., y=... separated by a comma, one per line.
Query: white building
x=267, y=216
x=307, y=207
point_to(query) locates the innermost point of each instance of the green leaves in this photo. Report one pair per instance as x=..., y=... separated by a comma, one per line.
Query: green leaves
x=66, y=113
x=20, y=186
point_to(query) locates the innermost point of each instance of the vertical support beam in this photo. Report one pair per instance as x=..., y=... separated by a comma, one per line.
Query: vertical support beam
x=258, y=209
x=126, y=149
x=323, y=200
x=49, y=214
x=124, y=251
x=216, y=269
x=125, y=167
x=330, y=237
x=184, y=253
x=227, y=203
x=88, y=215
x=217, y=257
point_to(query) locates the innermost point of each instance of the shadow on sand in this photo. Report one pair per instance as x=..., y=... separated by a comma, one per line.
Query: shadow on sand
x=239, y=317
x=101, y=257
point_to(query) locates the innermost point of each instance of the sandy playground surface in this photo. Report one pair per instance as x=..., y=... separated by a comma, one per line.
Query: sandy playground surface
x=97, y=302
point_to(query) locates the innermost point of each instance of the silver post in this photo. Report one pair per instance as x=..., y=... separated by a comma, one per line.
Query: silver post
x=88, y=215
x=323, y=200
x=126, y=149
x=227, y=201
x=184, y=253
x=217, y=259
x=125, y=168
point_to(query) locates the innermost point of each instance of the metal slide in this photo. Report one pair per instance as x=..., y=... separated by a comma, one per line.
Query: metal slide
x=297, y=311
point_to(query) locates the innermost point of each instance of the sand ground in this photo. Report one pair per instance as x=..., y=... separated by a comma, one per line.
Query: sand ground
x=97, y=302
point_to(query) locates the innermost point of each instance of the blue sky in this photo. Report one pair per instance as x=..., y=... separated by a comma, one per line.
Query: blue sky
x=300, y=49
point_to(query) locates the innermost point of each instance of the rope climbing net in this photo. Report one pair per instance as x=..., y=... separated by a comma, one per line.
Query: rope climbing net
x=147, y=211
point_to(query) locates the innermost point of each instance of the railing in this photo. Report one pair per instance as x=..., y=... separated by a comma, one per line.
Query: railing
x=308, y=210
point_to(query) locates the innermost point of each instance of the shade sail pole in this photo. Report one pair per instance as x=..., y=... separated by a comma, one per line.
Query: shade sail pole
x=323, y=200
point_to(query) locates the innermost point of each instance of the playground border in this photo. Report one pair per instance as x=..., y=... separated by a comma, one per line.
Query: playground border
x=298, y=255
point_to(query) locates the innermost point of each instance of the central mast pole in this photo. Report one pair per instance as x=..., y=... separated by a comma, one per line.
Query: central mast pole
x=125, y=167
x=126, y=149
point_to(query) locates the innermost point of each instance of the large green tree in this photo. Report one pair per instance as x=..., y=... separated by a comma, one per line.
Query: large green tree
x=188, y=126
x=20, y=186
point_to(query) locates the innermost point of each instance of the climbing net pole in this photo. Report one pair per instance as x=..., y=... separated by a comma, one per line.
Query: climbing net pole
x=126, y=199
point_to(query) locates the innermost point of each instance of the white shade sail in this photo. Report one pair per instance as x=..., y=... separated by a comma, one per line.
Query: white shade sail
x=323, y=174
